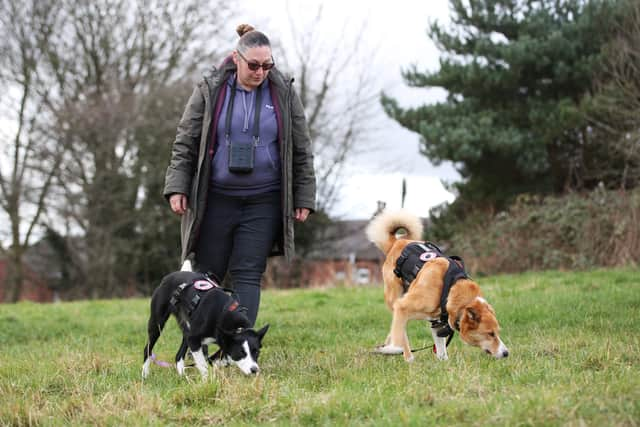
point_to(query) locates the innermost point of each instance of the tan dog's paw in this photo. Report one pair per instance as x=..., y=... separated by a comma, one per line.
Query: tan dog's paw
x=388, y=349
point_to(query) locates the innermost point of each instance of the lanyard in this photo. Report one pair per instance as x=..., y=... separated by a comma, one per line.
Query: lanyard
x=256, y=113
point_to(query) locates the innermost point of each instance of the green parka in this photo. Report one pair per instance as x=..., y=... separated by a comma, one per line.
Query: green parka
x=189, y=170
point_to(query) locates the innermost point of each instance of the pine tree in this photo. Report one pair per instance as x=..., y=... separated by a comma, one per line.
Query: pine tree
x=516, y=72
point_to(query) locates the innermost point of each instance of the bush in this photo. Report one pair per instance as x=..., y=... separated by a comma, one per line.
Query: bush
x=574, y=231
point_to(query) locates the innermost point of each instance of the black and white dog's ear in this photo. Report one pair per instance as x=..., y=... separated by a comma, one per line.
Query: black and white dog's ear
x=261, y=333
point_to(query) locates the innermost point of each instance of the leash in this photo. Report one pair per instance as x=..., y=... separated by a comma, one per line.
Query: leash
x=160, y=363
x=164, y=364
x=432, y=346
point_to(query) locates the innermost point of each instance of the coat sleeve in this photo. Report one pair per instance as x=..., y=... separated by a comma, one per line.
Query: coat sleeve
x=184, y=154
x=304, y=178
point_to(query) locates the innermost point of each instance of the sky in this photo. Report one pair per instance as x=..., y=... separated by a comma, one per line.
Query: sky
x=397, y=33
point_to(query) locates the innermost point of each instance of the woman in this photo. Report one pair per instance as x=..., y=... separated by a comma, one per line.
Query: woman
x=241, y=168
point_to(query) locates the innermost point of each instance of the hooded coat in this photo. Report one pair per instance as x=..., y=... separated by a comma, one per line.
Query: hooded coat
x=189, y=170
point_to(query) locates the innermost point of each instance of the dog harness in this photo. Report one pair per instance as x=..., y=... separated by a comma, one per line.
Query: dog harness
x=409, y=264
x=190, y=292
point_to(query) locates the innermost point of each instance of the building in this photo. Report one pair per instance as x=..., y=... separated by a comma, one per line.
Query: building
x=34, y=288
x=341, y=254
x=344, y=255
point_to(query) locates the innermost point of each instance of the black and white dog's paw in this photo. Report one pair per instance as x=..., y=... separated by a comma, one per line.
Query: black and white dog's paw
x=225, y=361
x=219, y=359
x=180, y=367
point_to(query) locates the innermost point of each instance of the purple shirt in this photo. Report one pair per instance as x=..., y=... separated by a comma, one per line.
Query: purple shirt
x=266, y=172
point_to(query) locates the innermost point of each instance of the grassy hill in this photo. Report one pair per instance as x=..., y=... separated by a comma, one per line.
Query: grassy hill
x=574, y=360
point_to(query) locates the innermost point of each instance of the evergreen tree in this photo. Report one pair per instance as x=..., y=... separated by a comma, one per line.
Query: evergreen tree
x=614, y=110
x=516, y=72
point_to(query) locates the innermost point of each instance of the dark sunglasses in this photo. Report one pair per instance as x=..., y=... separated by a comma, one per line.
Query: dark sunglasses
x=254, y=66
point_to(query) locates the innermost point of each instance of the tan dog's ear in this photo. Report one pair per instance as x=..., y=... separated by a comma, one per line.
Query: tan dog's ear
x=473, y=315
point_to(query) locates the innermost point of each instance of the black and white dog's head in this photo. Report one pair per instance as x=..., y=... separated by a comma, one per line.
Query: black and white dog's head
x=241, y=347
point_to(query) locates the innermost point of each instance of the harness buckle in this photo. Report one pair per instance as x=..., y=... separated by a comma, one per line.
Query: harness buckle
x=445, y=331
x=442, y=327
x=175, y=296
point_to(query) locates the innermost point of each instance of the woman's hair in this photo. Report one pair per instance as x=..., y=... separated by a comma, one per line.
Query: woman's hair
x=249, y=38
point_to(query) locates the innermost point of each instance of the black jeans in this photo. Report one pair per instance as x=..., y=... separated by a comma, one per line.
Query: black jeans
x=236, y=236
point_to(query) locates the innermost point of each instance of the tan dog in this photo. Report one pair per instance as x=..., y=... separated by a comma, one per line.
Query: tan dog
x=469, y=313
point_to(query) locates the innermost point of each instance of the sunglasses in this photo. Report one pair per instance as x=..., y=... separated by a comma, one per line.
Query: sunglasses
x=254, y=66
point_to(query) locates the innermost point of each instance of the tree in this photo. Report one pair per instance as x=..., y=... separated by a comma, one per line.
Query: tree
x=101, y=67
x=109, y=77
x=614, y=110
x=156, y=245
x=115, y=61
x=516, y=72
x=334, y=80
x=25, y=179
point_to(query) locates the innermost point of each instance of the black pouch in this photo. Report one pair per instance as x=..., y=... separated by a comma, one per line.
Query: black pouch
x=241, y=157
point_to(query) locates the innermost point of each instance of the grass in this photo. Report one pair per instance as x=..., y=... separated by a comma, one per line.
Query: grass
x=573, y=341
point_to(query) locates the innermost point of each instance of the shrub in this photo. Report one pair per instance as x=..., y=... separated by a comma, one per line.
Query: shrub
x=574, y=231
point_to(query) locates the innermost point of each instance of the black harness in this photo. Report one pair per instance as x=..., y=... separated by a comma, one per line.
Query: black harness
x=409, y=264
x=190, y=293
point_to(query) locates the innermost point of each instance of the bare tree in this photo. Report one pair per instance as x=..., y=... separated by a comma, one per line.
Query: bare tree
x=26, y=176
x=334, y=77
x=102, y=63
x=116, y=56
x=337, y=86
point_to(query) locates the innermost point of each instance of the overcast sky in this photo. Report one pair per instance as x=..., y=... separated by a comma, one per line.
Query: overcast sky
x=397, y=33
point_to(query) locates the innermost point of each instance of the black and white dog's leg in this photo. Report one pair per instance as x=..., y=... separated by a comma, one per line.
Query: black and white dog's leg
x=201, y=362
x=220, y=359
x=182, y=351
x=198, y=357
x=147, y=360
x=154, y=328
x=441, y=345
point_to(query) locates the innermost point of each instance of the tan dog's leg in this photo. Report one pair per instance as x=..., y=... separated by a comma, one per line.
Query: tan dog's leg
x=392, y=292
x=399, y=336
x=394, y=343
x=389, y=347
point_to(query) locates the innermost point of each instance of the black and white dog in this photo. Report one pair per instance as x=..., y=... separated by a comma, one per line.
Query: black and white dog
x=206, y=314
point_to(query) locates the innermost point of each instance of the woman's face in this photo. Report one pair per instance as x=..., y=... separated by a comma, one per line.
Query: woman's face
x=255, y=57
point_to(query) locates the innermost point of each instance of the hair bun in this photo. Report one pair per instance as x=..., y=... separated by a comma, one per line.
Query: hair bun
x=242, y=29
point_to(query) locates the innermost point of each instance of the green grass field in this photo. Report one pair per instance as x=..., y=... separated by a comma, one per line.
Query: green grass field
x=574, y=360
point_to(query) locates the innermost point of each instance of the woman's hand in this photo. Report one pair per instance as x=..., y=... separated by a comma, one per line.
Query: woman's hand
x=178, y=203
x=301, y=214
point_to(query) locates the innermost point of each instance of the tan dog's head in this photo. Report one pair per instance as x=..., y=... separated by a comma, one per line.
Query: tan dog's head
x=479, y=327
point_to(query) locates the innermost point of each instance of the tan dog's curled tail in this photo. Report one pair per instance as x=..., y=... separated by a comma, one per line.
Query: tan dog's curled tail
x=383, y=228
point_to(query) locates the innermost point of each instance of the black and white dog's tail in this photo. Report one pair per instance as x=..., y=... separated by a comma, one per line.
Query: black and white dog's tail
x=187, y=265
